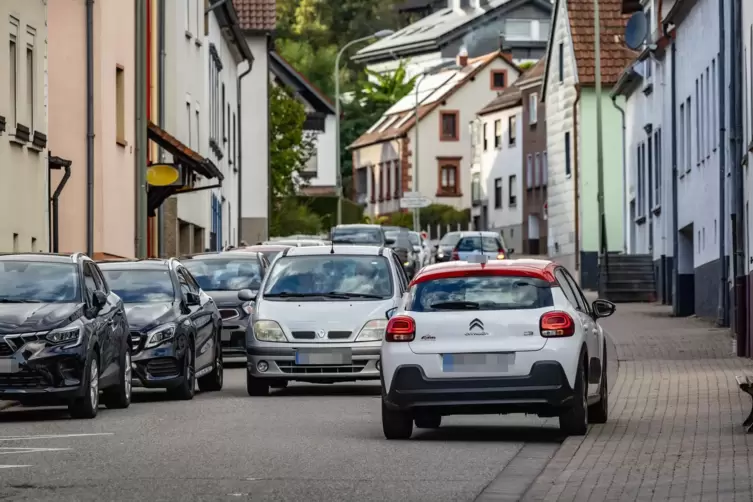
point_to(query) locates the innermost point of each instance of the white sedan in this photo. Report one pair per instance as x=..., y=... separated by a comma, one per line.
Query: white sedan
x=496, y=337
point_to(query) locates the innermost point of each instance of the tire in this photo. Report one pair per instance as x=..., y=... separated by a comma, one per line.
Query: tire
x=574, y=420
x=119, y=397
x=429, y=422
x=214, y=380
x=598, y=413
x=187, y=388
x=256, y=386
x=87, y=405
x=396, y=424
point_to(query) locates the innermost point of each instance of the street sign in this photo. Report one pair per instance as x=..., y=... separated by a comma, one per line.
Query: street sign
x=414, y=202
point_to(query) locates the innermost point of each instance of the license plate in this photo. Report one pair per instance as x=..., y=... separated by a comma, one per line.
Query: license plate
x=323, y=357
x=477, y=363
x=9, y=366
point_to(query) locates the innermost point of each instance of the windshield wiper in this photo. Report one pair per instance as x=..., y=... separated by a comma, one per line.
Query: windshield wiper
x=455, y=305
x=16, y=300
x=286, y=294
x=333, y=294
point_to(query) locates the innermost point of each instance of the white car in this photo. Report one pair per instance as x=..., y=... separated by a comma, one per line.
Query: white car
x=494, y=337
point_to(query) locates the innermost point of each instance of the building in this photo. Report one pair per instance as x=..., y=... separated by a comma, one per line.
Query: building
x=384, y=156
x=257, y=20
x=744, y=321
x=320, y=174
x=568, y=91
x=501, y=167
x=478, y=26
x=97, y=202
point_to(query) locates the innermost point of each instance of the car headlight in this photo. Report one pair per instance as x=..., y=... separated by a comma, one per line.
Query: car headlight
x=160, y=335
x=248, y=307
x=70, y=335
x=372, y=331
x=269, y=331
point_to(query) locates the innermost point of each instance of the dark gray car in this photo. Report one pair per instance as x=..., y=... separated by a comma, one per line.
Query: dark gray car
x=228, y=278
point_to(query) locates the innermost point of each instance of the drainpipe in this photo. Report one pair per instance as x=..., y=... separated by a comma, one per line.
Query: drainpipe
x=140, y=136
x=624, y=175
x=575, y=176
x=722, y=169
x=239, y=145
x=90, y=128
x=161, y=101
x=675, y=236
x=55, y=208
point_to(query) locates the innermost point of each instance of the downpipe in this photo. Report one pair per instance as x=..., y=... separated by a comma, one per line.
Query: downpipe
x=723, y=267
x=624, y=175
x=90, y=128
x=239, y=143
x=675, y=236
x=161, y=97
x=54, y=200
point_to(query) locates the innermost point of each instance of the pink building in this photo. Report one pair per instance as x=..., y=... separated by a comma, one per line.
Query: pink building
x=113, y=125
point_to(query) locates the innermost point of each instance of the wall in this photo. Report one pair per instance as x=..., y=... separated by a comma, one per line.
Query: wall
x=23, y=193
x=375, y=158
x=747, y=35
x=535, y=229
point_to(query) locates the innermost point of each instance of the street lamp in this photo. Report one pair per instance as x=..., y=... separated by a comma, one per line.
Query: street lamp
x=379, y=34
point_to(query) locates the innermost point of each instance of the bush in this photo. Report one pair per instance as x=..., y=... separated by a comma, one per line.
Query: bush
x=290, y=217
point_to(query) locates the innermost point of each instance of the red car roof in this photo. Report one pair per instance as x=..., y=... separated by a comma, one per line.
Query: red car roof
x=538, y=269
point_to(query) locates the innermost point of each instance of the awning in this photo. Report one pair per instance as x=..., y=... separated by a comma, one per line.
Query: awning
x=190, y=164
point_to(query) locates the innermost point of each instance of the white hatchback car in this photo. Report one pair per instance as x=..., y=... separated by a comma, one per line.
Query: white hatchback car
x=494, y=337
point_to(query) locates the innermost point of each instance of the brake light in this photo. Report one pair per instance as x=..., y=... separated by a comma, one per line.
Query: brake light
x=556, y=324
x=455, y=255
x=400, y=329
x=501, y=254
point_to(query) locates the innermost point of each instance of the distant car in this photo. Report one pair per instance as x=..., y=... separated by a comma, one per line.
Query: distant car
x=487, y=243
x=175, y=327
x=494, y=337
x=296, y=242
x=359, y=234
x=400, y=242
x=320, y=316
x=232, y=279
x=443, y=250
x=270, y=251
x=420, y=248
x=63, y=334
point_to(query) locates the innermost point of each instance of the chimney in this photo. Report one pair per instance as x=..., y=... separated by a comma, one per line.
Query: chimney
x=462, y=59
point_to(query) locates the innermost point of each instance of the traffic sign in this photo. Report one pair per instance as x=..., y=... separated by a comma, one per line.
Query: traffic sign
x=414, y=202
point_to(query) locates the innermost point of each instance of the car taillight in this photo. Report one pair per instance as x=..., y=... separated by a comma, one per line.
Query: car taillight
x=501, y=254
x=556, y=324
x=400, y=329
x=455, y=255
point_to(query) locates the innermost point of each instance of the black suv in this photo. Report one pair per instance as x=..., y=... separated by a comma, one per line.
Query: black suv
x=175, y=327
x=359, y=234
x=399, y=240
x=63, y=334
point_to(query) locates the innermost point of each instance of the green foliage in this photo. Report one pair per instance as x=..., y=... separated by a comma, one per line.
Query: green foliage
x=291, y=217
x=325, y=207
x=526, y=65
x=289, y=147
x=436, y=214
x=383, y=90
x=316, y=64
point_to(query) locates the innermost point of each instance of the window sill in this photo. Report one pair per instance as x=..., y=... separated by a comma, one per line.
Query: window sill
x=511, y=145
x=447, y=139
x=640, y=220
x=448, y=194
x=198, y=42
x=648, y=89
x=17, y=141
x=35, y=148
x=189, y=35
x=512, y=205
x=121, y=142
x=656, y=210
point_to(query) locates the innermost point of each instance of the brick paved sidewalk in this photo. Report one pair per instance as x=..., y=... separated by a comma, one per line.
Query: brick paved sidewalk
x=675, y=429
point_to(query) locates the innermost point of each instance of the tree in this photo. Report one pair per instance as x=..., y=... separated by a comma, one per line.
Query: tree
x=291, y=217
x=317, y=65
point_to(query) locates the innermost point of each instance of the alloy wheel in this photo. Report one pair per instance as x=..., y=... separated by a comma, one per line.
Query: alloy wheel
x=94, y=384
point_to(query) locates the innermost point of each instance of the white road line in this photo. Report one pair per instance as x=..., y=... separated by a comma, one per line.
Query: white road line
x=11, y=451
x=12, y=466
x=52, y=436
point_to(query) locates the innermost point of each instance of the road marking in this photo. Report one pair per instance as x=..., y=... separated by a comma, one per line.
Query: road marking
x=11, y=451
x=52, y=436
x=12, y=466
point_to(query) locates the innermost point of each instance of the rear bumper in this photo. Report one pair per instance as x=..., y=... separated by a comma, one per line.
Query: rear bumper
x=544, y=391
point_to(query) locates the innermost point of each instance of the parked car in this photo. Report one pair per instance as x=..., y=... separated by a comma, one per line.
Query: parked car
x=495, y=337
x=421, y=248
x=296, y=242
x=360, y=234
x=63, y=334
x=232, y=279
x=443, y=250
x=400, y=243
x=174, y=326
x=320, y=316
x=490, y=244
x=270, y=251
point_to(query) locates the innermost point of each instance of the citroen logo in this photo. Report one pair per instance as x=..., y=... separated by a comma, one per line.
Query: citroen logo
x=476, y=324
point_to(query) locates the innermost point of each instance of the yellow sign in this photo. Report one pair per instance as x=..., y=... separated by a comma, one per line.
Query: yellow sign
x=161, y=175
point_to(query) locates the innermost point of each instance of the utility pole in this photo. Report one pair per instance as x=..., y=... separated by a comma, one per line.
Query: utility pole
x=599, y=150
x=141, y=127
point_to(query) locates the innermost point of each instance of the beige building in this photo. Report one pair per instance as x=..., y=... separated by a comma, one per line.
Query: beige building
x=23, y=126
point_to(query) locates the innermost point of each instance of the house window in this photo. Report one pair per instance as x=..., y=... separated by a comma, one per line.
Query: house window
x=536, y=171
x=512, y=190
x=512, y=124
x=518, y=29
x=222, y=103
x=198, y=126
x=707, y=116
x=31, y=76
x=544, y=169
x=388, y=181
x=381, y=182
x=498, y=80
x=639, y=174
x=498, y=133
x=396, y=168
x=448, y=123
x=529, y=171
x=650, y=168
x=713, y=101
x=568, y=171
x=449, y=174
x=216, y=99
x=657, y=167
x=190, y=133
x=234, y=148
x=120, y=127
x=498, y=193
x=681, y=139
x=188, y=16
x=688, y=134
x=476, y=186
x=13, y=71
x=486, y=142
x=697, y=125
x=372, y=180
x=561, y=65
x=533, y=108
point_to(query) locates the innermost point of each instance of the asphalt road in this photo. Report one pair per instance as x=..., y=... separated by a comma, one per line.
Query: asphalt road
x=307, y=442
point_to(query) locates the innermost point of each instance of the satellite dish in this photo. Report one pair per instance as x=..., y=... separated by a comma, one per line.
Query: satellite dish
x=636, y=30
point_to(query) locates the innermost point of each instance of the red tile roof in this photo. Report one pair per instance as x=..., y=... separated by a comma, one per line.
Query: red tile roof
x=256, y=15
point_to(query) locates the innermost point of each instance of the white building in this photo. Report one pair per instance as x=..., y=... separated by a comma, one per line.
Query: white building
x=384, y=156
x=501, y=166
x=747, y=143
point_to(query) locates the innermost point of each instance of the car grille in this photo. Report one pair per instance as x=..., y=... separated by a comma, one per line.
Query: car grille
x=11, y=343
x=5, y=349
x=292, y=368
x=137, y=341
x=339, y=335
x=163, y=367
x=229, y=313
x=23, y=380
x=332, y=335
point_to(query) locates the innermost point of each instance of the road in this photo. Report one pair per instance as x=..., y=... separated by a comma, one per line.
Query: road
x=307, y=442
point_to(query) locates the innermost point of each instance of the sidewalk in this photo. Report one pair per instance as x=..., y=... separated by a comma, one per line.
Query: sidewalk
x=675, y=430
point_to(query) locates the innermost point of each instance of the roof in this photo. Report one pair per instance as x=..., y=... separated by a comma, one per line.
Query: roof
x=533, y=75
x=615, y=56
x=150, y=264
x=340, y=249
x=508, y=98
x=442, y=27
x=400, y=118
x=256, y=15
x=260, y=248
x=295, y=80
x=222, y=255
x=540, y=269
x=227, y=18
x=37, y=257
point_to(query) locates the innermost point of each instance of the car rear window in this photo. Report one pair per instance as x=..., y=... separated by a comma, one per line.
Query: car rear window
x=450, y=239
x=357, y=235
x=478, y=243
x=483, y=292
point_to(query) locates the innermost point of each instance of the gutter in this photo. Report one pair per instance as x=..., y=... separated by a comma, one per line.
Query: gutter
x=723, y=273
x=576, y=167
x=90, y=128
x=624, y=175
x=161, y=119
x=54, y=199
x=675, y=229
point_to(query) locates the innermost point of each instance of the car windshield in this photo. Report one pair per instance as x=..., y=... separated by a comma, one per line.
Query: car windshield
x=357, y=235
x=481, y=293
x=401, y=239
x=450, y=239
x=141, y=286
x=478, y=243
x=331, y=276
x=415, y=239
x=225, y=274
x=38, y=282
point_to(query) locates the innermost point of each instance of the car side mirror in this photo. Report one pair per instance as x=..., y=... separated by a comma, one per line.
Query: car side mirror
x=391, y=312
x=435, y=247
x=246, y=295
x=603, y=308
x=389, y=242
x=510, y=251
x=192, y=299
x=99, y=300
